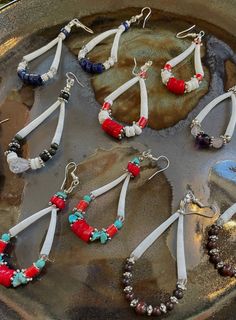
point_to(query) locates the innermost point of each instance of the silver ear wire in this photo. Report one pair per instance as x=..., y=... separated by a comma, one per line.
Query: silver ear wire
x=70, y=171
x=143, y=68
x=139, y=16
x=147, y=154
x=181, y=34
x=3, y=121
x=147, y=16
x=70, y=75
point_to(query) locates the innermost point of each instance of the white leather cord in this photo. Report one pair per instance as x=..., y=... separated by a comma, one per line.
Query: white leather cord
x=227, y=215
x=124, y=87
x=197, y=59
x=144, y=99
x=173, y=62
x=47, y=245
x=121, y=204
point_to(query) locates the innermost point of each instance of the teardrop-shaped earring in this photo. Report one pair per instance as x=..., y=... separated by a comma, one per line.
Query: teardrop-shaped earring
x=77, y=219
x=91, y=67
x=37, y=79
x=18, y=164
x=10, y=277
x=202, y=139
x=180, y=86
x=112, y=127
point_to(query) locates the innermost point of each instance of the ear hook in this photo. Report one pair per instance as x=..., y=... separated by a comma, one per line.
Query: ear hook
x=69, y=74
x=5, y=120
x=181, y=34
x=80, y=24
x=162, y=169
x=147, y=16
x=70, y=171
x=143, y=68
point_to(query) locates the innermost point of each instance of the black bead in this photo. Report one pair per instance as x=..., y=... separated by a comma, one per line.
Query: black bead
x=54, y=146
x=128, y=267
x=44, y=156
x=169, y=305
x=178, y=293
x=52, y=151
x=203, y=140
x=64, y=95
x=127, y=282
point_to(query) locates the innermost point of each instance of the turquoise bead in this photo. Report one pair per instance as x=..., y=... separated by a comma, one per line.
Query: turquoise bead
x=72, y=218
x=40, y=263
x=118, y=224
x=103, y=237
x=6, y=237
x=136, y=160
x=79, y=215
x=18, y=279
x=61, y=194
x=87, y=198
x=96, y=235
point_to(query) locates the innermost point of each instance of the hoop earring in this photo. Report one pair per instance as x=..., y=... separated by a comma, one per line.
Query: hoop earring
x=10, y=277
x=202, y=139
x=91, y=67
x=18, y=164
x=224, y=269
x=112, y=127
x=77, y=219
x=180, y=86
x=37, y=79
x=139, y=305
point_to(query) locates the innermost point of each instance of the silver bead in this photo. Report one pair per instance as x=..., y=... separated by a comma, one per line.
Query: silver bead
x=134, y=303
x=163, y=308
x=220, y=265
x=214, y=251
x=128, y=289
x=149, y=310
x=174, y=300
x=131, y=260
x=213, y=237
x=128, y=275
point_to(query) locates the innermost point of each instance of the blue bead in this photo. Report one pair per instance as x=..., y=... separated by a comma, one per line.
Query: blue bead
x=61, y=194
x=83, y=63
x=66, y=33
x=136, y=160
x=72, y=218
x=103, y=237
x=6, y=237
x=40, y=263
x=87, y=198
x=96, y=235
x=100, y=68
x=89, y=66
x=126, y=25
x=79, y=215
x=118, y=224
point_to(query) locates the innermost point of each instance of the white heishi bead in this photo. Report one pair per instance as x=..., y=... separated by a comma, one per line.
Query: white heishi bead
x=35, y=163
x=18, y=165
x=196, y=129
x=217, y=142
x=192, y=84
x=129, y=131
x=102, y=116
x=11, y=156
x=137, y=129
x=106, y=65
x=165, y=76
x=111, y=61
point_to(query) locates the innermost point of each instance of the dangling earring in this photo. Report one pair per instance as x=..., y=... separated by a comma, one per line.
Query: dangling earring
x=77, y=220
x=164, y=307
x=18, y=164
x=10, y=277
x=180, y=86
x=112, y=127
x=37, y=79
x=224, y=269
x=202, y=139
x=91, y=67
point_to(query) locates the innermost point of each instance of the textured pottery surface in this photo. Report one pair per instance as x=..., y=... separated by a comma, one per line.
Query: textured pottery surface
x=84, y=281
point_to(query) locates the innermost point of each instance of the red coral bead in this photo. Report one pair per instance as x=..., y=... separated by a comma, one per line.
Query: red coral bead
x=176, y=86
x=111, y=230
x=32, y=271
x=167, y=67
x=2, y=246
x=58, y=202
x=106, y=106
x=5, y=275
x=142, y=122
x=199, y=76
x=143, y=74
x=82, y=206
x=113, y=128
x=82, y=229
x=133, y=169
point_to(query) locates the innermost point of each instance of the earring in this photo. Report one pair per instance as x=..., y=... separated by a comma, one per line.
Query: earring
x=224, y=269
x=91, y=67
x=202, y=139
x=77, y=219
x=139, y=305
x=180, y=86
x=112, y=127
x=18, y=164
x=10, y=277
x=37, y=79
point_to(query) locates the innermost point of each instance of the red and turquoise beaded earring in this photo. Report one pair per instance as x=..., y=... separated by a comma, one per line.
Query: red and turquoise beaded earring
x=77, y=219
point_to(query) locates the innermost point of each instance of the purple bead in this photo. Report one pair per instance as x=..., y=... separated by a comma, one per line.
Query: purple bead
x=203, y=140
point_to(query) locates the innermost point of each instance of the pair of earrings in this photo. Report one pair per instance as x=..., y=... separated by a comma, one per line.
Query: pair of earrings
x=10, y=277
